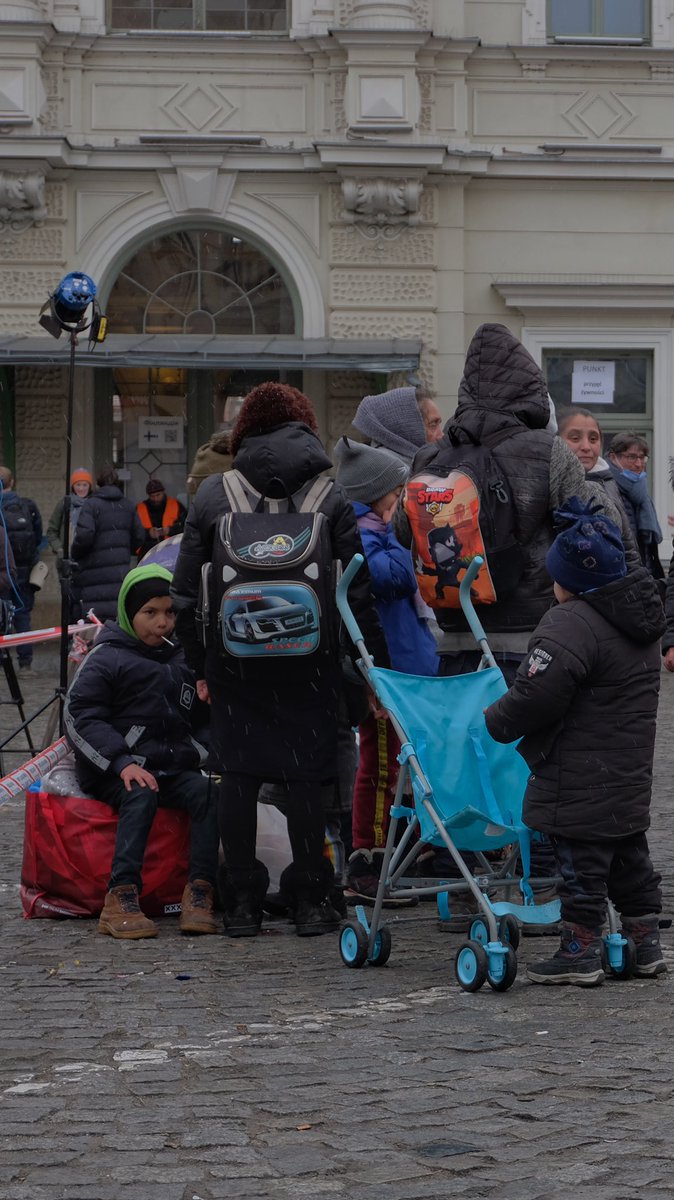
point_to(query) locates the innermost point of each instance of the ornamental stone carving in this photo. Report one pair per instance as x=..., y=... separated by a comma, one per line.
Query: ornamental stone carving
x=382, y=208
x=43, y=244
x=417, y=247
x=22, y=201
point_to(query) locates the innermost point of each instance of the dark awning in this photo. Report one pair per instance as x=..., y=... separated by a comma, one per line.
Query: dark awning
x=203, y=352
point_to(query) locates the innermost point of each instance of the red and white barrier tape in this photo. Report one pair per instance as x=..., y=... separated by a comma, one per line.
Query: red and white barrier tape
x=7, y=640
x=19, y=781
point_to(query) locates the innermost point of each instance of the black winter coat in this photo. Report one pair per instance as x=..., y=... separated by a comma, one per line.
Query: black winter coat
x=107, y=534
x=132, y=703
x=503, y=404
x=584, y=703
x=288, y=729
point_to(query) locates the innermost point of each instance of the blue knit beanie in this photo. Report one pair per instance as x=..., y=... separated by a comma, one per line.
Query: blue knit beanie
x=588, y=553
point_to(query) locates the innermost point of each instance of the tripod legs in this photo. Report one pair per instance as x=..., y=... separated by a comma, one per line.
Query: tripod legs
x=16, y=698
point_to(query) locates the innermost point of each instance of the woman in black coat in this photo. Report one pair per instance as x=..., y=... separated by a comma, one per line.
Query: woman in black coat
x=272, y=721
x=107, y=534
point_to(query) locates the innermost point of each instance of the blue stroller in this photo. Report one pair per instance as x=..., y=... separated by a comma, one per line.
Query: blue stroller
x=460, y=790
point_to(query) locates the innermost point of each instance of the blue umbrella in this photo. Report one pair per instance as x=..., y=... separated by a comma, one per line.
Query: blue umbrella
x=164, y=554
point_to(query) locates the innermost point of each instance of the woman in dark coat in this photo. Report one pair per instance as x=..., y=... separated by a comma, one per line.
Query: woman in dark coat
x=272, y=721
x=107, y=533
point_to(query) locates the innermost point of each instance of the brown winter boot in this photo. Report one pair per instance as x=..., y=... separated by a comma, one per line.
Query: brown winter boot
x=122, y=916
x=196, y=913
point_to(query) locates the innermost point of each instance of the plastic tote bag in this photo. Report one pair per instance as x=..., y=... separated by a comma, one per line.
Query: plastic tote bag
x=67, y=855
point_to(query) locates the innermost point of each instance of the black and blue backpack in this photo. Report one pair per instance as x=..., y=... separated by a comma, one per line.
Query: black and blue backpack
x=268, y=592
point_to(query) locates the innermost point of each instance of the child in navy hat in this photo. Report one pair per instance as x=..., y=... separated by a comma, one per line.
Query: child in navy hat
x=373, y=479
x=584, y=703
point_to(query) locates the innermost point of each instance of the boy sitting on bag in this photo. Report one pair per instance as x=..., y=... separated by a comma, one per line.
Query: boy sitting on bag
x=128, y=718
x=584, y=703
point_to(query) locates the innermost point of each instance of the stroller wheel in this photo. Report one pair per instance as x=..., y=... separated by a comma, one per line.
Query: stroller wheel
x=509, y=930
x=479, y=931
x=353, y=943
x=509, y=973
x=471, y=966
x=629, y=958
x=382, y=948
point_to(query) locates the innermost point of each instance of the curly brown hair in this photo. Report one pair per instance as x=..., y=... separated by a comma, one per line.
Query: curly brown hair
x=268, y=405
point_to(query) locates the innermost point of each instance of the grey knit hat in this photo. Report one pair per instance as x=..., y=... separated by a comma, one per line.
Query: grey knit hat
x=367, y=472
x=393, y=420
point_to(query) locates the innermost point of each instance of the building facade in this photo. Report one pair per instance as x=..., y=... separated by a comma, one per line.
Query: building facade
x=331, y=192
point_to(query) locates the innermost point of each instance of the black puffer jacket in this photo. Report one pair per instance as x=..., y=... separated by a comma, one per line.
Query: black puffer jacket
x=287, y=729
x=503, y=404
x=584, y=703
x=132, y=703
x=107, y=534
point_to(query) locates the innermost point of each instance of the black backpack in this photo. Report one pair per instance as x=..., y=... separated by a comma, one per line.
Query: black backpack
x=268, y=592
x=459, y=505
x=17, y=515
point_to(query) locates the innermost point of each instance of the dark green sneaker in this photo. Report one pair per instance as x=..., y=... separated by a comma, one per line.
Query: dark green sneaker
x=579, y=960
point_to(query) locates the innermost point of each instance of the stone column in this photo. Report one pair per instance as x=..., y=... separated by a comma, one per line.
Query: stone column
x=383, y=14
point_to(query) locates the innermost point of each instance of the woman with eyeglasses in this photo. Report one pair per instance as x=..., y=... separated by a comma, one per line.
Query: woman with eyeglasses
x=628, y=457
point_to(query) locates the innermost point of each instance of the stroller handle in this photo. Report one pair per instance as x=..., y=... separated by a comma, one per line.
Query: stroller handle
x=350, y=572
x=467, y=603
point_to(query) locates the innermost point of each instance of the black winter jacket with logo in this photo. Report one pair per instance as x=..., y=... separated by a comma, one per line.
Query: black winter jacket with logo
x=132, y=703
x=584, y=703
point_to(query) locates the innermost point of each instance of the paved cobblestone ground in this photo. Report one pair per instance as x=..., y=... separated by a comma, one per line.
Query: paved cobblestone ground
x=181, y=1069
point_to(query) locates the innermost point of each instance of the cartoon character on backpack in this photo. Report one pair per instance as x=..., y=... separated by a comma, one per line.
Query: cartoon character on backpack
x=445, y=549
x=458, y=507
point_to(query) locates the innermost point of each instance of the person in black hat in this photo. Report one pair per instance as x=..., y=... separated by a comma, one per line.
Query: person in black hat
x=584, y=702
x=160, y=515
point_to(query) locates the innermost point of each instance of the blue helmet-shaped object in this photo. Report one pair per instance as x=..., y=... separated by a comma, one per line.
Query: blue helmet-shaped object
x=73, y=296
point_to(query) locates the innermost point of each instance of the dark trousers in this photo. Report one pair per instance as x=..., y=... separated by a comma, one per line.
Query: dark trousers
x=22, y=616
x=188, y=790
x=619, y=868
x=237, y=818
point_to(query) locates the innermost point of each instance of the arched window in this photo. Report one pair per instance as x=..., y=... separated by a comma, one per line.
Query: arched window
x=200, y=282
x=189, y=282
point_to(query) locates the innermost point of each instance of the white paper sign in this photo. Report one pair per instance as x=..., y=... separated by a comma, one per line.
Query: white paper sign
x=161, y=433
x=593, y=382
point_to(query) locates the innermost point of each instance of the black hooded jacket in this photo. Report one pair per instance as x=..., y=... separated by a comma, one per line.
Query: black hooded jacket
x=107, y=534
x=584, y=703
x=130, y=702
x=503, y=404
x=285, y=729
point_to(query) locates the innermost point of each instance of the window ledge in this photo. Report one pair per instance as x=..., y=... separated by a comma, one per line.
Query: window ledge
x=577, y=292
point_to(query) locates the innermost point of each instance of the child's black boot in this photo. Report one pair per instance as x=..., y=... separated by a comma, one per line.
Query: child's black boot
x=314, y=912
x=243, y=893
x=645, y=933
x=579, y=960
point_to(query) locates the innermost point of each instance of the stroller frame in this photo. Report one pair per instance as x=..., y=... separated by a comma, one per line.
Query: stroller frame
x=488, y=954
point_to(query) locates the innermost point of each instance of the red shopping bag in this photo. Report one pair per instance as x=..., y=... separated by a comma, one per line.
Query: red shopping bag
x=67, y=856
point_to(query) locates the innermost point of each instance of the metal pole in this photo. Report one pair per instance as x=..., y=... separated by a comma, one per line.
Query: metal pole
x=66, y=578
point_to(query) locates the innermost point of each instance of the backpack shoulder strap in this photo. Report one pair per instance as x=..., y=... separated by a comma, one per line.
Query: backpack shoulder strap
x=316, y=494
x=236, y=493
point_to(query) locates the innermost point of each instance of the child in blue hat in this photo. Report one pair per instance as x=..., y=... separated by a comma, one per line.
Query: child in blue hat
x=584, y=702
